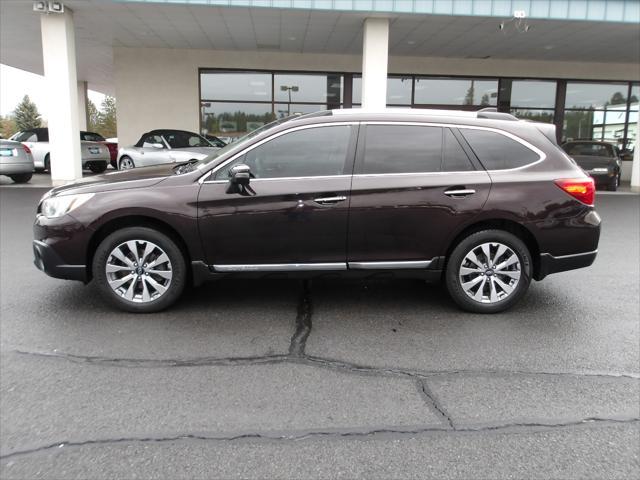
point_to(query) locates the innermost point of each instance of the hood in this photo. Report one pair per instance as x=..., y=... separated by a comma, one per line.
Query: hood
x=134, y=178
x=589, y=162
x=201, y=150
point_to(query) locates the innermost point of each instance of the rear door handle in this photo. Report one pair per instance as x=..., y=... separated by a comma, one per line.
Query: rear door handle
x=329, y=200
x=461, y=192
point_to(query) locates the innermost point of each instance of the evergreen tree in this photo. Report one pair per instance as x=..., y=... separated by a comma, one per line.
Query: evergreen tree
x=468, y=98
x=93, y=120
x=108, y=121
x=26, y=115
x=485, y=100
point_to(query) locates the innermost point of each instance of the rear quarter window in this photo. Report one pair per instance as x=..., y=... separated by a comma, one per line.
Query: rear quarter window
x=498, y=152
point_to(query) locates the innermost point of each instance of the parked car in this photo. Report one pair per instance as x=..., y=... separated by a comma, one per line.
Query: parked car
x=16, y=161
x=481, y=200
x=165, y=146
x=600, y=160
x=112, y=146
x=95, y=156
x=215, y=141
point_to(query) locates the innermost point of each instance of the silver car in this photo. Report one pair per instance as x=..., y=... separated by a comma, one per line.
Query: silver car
x=16, y=161
x=165, y=146
x=95, y=155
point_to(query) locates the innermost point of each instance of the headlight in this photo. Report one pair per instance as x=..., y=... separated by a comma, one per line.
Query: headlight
x=53, y=207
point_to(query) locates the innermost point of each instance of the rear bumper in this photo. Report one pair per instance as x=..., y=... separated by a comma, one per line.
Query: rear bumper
x=550, y=264
x=15, y=168
x=47, y=260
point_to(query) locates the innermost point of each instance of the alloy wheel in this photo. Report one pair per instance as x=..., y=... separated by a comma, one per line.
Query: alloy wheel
x=490, y=272
x=139, y=271
x=126, y=163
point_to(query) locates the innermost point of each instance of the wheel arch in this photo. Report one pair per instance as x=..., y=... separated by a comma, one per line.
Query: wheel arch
x=126, y=221
x=506, y=225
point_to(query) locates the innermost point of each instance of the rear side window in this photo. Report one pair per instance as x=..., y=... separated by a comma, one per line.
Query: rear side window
x=402, y=149
x=496, y=151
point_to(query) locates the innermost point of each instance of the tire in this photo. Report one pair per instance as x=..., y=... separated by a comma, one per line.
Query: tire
x=461, y=272
x=47, y=163
x=614, y=184
x=98, y=167
x=161, y=290
x=126, y=163
x=21, y=177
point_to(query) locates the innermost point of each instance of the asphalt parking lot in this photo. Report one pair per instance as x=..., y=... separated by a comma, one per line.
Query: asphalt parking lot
x=329, y=379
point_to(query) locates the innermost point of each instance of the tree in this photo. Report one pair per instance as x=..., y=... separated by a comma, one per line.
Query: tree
x=7, y=126
x=26, y=114
x=108, y=121
x=468, y=98
x=485, y=100
x=93, y=117
x=617, y=98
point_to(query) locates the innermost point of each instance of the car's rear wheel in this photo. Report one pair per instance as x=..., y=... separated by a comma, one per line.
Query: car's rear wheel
x=47, y=163
x=126, y=163
x=488, y=271
x=21, y=177
x=140, y=269
x=98, y=167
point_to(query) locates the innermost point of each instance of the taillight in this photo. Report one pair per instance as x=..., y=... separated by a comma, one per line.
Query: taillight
x=26, y=149
x=582, y=189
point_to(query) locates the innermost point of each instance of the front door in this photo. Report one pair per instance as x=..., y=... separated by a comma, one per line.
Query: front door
x=413, y=185
x=294, y=214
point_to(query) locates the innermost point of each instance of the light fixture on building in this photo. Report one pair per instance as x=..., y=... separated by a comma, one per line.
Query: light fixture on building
x=517, y=23
x=48, y=7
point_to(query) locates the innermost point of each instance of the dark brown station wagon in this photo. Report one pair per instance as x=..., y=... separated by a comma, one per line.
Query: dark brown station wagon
x=481, y=200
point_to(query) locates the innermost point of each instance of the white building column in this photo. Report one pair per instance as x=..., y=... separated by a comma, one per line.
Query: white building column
x=375, y=59
x=83, y=110
x=59, y=58
x=635, y=167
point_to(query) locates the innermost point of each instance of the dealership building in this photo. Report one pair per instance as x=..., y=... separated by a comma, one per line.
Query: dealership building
x=226, y=67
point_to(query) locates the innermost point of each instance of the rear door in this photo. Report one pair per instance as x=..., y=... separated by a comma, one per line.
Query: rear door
x=295, y=217
x=413, y=185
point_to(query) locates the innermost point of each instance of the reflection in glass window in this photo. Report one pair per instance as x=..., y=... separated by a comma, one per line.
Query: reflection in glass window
x=449, y=91
x=545, y=116
x=283, y=110
x=304, y=153
x=402, y=149
x=247, y=86
x=530, y=93
x=308, y=88
x=232, y=120
x=595, y=95
x=603, y=125
x=398, y=90
x=496, y=151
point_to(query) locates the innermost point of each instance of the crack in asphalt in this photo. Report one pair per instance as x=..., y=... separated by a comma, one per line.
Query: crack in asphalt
x=297, y=355
x=337, y=434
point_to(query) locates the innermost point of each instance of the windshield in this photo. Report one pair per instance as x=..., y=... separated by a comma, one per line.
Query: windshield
x=589, y=149
x=241, y=141
x=186, y=140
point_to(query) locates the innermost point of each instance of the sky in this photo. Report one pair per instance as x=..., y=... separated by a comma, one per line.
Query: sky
x=16, y=83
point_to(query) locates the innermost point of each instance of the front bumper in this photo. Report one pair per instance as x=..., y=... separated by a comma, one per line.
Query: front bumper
x=550, y=264
x=47, y=260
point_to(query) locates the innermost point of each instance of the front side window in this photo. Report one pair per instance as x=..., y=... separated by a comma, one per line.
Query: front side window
x=310, y=152
x=402, y=149
x=150, y=140
x=185, y=140
x=496, y=151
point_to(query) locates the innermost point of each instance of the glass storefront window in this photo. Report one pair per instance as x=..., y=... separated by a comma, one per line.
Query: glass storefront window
x=398, y=90
x=246, y=86
x=534, y=115
x=595, y=95
x=282, y=110
x=326, y=89
x=533, y=94
x=449, y=91
x=232, y=120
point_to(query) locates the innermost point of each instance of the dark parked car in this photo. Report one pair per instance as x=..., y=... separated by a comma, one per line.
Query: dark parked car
x=112, y=146
x=480, y=200
x=600, y=160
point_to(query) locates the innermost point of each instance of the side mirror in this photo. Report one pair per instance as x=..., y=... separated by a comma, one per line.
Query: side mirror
x=239, y=178
x=159, y=146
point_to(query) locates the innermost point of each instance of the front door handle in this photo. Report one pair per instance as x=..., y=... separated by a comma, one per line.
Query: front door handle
x=461, y=192
x=329, y=200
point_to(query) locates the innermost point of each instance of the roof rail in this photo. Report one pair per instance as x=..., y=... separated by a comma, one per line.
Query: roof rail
x=493, y=114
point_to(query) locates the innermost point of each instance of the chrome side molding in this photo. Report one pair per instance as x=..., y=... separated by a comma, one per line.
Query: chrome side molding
x=280, y=267
x=389, y=265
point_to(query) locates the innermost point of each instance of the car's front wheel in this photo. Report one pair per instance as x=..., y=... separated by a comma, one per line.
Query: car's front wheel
x=126, y=163
x=614, y=183
x=140, y=269
x=488, y=271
